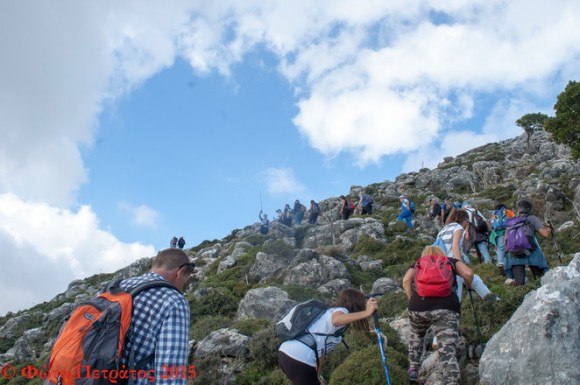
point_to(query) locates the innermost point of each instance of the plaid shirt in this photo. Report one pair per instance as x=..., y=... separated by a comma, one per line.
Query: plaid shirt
x=160, y=326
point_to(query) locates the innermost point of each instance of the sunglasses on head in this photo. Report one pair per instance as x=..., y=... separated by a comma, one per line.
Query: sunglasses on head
x=190, y=267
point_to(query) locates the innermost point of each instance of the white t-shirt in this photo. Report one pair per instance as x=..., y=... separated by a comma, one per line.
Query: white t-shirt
x=446, y=234
x=300, y=352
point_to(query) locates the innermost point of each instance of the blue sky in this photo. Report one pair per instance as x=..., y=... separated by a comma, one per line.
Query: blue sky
x=125, y=123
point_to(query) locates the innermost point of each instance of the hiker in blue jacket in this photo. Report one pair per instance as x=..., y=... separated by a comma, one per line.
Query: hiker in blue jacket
x=406, y=214
x=536, y=260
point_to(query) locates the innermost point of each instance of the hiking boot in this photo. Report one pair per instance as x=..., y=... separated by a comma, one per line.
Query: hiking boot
x=413, y=376
x=501, y=270
x=491, y=299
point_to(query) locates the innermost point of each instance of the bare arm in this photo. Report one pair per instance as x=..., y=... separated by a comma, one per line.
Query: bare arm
x=455, y=246
x=545, y=232
x=340, y=319
x=408, y=282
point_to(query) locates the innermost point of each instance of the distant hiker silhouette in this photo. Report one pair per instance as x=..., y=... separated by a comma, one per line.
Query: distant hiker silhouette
x=181, y=242
x=173, y=242
x=344, y=208
x=287, y=216
x=299, y=210
x=314, y=212
x=265, y=223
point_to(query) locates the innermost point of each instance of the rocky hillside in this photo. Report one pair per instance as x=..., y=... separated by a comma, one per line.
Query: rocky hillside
x=247, y=281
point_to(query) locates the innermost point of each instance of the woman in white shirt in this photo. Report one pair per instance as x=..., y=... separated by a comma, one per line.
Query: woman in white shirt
x=452, y=236
x=299, y=362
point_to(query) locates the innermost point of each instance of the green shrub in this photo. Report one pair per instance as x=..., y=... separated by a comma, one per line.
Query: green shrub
x=365, y=367
x=278, y=247
x=255, y=376
x=364, y=279
x=301, y=293
x=207, y=324
x=209, y=371
x=256, y=239
x=396, y=272
x=367, y=245
x=219, y=301
x=392, y=304
x=249, y=326
x=264, y=349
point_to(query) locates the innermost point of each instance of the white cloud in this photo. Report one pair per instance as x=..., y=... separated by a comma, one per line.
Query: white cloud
x=374, y=80
x=141, y=215
x=283, y=181
x=44, y=248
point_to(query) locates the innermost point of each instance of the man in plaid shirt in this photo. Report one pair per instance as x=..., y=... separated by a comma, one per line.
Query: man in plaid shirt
x=159, y=334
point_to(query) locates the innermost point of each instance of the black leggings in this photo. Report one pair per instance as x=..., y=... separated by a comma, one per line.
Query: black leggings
x=298, y=372
x=520, y=273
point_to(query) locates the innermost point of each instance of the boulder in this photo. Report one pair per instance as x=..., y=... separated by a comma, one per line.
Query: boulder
x=539, y=344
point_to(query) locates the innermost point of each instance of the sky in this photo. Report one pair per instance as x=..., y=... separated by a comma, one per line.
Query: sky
x=123, y=124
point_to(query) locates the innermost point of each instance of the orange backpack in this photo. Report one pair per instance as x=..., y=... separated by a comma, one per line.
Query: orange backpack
x=91, y=342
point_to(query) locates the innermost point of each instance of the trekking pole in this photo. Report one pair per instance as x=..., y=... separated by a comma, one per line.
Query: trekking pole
x=481, y=345
x=380, y=340
x=558, y=253
x=261, y=201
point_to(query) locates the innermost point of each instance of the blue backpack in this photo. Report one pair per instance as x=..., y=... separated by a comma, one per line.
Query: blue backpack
x=439, y=243
x=499, y=219
x=412, y=206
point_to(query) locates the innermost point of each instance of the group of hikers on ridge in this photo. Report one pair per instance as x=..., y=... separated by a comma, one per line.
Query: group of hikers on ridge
x=291, y=214
x=294, y=215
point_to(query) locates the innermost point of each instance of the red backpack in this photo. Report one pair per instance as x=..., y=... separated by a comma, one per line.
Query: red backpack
x=434, y=276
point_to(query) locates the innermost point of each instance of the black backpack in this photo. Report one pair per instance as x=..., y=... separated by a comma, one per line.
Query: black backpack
x=294, y=325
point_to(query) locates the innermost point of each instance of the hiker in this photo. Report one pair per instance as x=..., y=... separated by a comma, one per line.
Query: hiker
x=406, y=214
x=452, y=236
x=173, y=242
x=446, y=208
x=476, y=234
x=442, y=314
x=344, y=208
x=264, y=223
x=298, y=361
x=497, y=236
x=535, y=258
x=366, y=204
x=314, y=212
x=287, y=216
x=279, y=215
x=299, y=210
x=181, y=242
x=436, y=213
x=160, y=326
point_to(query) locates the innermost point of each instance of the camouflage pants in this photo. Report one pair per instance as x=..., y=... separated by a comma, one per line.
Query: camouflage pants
x=445, y=324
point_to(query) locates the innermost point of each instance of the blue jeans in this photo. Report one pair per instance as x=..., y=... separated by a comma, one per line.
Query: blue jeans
x=484, y=250
x=407, y=216
x=298, y=217
x=500, y=249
